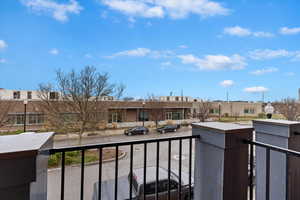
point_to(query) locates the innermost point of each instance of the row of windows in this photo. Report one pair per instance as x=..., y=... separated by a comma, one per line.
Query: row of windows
x=18, y=119
x=17, y=95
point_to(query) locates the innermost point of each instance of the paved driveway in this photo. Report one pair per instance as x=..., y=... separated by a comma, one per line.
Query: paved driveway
x=72, y=180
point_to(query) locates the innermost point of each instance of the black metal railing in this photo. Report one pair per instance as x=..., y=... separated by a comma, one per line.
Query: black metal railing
x=269, y=148
x=131, y=144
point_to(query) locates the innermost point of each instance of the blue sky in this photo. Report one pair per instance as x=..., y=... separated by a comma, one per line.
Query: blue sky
x=203, y=47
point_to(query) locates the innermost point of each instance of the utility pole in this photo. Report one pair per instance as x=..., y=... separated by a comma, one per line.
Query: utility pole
x=227, y=96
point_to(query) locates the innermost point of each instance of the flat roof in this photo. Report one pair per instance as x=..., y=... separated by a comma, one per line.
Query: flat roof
x=221, y=126
x=276, y=121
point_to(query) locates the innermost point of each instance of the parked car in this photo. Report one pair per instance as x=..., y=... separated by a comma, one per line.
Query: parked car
x=137, y=130
x=168, y=128
x=107, y=187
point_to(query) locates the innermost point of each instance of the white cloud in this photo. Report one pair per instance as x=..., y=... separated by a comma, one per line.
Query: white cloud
x=58, y=11
x=263, y=34
x=264, y=71
x=54, y=52
x=243, y=32
x=2, y=60
x=173, y=8
x=88, y=55
x=237, y=31
x=168, y=63
x=289, y=31
x=3, y=44
x=256, y=89
x=142, y=52
x=262, y=54
x=214, y=62
x=227, y=83
x=183, y=46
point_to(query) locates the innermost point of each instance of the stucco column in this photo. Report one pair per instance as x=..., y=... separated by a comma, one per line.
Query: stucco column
x=23, y=166
x=221, y=161
x=280, y=133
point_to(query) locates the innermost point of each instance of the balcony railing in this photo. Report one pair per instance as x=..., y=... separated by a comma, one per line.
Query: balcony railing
x=159, y=141
x=269, y=148
x=216, y=158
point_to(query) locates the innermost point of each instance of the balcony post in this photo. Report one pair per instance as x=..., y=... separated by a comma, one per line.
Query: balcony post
x=221, y=161
x=281, y=133
x=23, y=166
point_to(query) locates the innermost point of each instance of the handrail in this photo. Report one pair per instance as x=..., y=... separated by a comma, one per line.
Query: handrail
x=274, y=148
x=123, y=143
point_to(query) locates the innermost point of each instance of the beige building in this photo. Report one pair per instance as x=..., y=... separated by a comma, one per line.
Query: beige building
x=232, y=108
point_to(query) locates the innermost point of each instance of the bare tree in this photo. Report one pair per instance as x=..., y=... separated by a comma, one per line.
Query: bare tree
x=289, y=108
x=5, y=108
x=156, y=108
x=202, y=110
x=80, y=101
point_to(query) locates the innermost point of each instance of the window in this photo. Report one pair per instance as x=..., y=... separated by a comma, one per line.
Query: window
x=173, y=115
x=249, y=110
x=53, y=95
x=169, y=116
x=177, y=115
x=115, y=117
x=16, y=119
x=150, y=188
x=29, y=95
x=143, y=116
x=176, y=98
x=17, y=95
x=35, y=118
x=168, y=98
x=214, y=111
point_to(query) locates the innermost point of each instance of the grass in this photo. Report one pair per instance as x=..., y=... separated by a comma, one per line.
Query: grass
x=74, y=157
x=236, y=119
x=11, y=132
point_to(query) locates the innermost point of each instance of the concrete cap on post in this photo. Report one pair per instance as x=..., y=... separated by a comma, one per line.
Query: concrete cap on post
x=284, y=134
x=221, y=160
x=23, y=168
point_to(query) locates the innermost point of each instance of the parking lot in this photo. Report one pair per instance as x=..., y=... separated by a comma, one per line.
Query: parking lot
x=72, y=180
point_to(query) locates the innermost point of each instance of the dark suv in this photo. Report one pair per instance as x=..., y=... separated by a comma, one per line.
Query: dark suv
x=168, y=128
x=136, y=130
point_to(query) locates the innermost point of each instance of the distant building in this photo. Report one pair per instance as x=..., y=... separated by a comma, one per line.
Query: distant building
x=178, y=99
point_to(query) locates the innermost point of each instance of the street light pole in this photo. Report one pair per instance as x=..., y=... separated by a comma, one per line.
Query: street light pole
x=143, y=113
x=25, y=110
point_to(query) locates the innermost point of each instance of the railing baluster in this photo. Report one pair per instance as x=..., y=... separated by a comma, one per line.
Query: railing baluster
x=82, y=175
x=157, y=170
x=145, y=170
x=116, y=172
x=169, y=168
x=62, y=183
x=287, y=178
x=190, y=168
x=268, y=174
x=251, y=172
x=100, y=174
x=131, y=171
x=180, y=160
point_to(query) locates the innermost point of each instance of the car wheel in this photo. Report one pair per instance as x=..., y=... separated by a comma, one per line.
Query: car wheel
x=144, y=132
x=163, y=131
x=175, y=130
x=129, y=133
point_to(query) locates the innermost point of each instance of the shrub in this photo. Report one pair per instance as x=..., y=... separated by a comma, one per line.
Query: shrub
x=261, y=115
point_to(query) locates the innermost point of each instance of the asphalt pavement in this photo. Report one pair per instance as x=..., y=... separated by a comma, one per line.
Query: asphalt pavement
x=72, y=173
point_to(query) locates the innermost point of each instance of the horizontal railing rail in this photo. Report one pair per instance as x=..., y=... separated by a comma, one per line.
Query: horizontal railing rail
x=131, y=144
x=269, y=148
